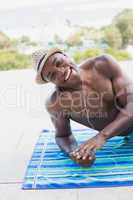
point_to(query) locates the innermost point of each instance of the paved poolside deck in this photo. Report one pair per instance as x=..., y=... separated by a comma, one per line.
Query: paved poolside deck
x=22, y=114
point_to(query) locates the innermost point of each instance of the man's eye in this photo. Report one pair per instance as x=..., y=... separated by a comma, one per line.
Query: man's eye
x=58, y=63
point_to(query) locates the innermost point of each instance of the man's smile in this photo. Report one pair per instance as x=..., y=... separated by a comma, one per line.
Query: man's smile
x=67, y=74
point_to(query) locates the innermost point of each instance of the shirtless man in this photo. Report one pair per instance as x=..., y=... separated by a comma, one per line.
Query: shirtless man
x=96, y=94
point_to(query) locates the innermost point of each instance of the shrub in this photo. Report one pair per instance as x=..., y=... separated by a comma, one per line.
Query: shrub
x=13, y=60
x=80, y=56
x=120, y=55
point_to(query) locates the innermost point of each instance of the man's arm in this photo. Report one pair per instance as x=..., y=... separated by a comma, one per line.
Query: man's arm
x=64, y=137
x=123, y=95
x=123, y=91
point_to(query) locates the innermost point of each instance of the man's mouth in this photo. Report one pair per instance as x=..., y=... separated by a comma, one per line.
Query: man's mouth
x=67, y=76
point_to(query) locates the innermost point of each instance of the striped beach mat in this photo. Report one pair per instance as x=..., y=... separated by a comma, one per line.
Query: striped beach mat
x=50, y=168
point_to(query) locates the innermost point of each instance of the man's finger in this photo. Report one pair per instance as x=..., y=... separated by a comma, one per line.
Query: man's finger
x=86, y=155
x=76, y=155
x=89, y=153
x=76, y=150
x=86, y=148
x=82, y=145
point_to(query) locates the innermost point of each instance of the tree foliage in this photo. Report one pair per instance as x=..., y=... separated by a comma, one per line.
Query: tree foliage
x=112, y=36
x=124, y=22
x=74, y=39
x=4, y=41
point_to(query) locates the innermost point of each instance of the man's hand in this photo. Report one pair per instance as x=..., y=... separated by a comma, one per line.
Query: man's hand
x=87, y=162
x=85, y=154
x=85, y=150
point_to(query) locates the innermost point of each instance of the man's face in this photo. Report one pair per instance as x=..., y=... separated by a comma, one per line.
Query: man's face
x=61, y=71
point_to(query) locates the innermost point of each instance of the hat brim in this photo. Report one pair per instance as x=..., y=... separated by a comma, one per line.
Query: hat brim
x=38, y=78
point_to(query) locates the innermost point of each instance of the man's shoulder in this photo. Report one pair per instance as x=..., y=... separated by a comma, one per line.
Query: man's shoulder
x=95, y=61
x=107, y=65
x=52, y=102
x=103, y=59
x=104, y=64
x=56, y=100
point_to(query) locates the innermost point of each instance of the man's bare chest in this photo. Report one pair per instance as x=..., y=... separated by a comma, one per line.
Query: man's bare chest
x=96, y=94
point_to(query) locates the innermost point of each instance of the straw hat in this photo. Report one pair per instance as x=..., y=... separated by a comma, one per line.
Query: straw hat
x=39, y=59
